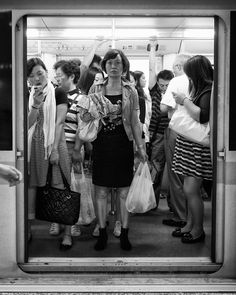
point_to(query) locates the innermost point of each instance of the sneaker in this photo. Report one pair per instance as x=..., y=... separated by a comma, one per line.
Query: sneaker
x=117, y=229
x=75, y=230
x=54, y=229
x=96, y=232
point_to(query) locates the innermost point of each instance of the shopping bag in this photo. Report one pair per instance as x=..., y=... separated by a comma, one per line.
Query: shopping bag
x=75, y=184
x=141, y=196
x=87, y=212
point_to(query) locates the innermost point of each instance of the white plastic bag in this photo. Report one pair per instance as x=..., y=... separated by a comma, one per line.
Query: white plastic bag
x=75, y=185
x=141, y=196
x=87, y=212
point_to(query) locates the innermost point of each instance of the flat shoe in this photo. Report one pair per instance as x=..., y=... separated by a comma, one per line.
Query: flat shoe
x=178, y=233
x=175, y=223
x=188, y=238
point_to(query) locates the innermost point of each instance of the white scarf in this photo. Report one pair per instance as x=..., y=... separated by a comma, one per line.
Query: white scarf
x=49, y=112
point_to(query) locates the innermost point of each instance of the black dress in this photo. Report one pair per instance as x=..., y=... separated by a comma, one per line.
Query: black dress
x=113, y=156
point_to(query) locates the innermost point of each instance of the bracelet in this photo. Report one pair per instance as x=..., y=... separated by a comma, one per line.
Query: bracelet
x=34, y=107
x=184, y=100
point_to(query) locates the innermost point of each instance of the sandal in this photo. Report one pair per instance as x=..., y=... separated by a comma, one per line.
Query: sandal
x=75, y=230
x=54, y=229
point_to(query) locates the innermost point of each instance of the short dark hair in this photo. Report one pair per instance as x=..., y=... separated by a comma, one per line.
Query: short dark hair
x=70, y=67
x=165, y=75
x=58, y=64
x=76, y=60
x=32, y=62
x=112, y=54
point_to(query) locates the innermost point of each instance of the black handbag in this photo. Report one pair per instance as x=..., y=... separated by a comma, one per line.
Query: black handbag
x=57, y=205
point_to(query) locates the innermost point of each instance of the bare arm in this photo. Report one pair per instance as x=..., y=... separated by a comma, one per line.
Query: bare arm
x=59, y=128
x=89, y=57
x=137, y=133
x=76, y=154
x=152, y=64
x=10, y=174
x=193, y=110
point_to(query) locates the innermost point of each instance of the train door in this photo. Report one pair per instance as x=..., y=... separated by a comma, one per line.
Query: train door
x=155, y=248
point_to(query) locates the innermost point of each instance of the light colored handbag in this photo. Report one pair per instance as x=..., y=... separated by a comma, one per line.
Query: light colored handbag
x=182, y=123
x=88, y=130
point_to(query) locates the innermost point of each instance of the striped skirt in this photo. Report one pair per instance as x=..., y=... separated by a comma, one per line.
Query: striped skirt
x=192, y=159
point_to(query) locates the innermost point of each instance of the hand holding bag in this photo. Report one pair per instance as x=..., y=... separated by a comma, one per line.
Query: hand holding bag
x=141, y=196
x=87, y=212
x=182, y=123
x=57, y=205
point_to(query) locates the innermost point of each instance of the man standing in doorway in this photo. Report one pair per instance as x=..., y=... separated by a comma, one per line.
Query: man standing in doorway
x=178, y=202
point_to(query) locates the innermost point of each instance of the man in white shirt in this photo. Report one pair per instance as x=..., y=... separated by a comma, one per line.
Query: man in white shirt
x=178, y=203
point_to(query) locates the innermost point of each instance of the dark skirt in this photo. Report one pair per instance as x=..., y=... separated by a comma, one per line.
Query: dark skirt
x=113, y=159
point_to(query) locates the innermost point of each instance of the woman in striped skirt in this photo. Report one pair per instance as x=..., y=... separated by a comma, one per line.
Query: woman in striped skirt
x=193, y=160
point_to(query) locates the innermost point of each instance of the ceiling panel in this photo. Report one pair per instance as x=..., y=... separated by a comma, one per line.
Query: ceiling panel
x=75, y=35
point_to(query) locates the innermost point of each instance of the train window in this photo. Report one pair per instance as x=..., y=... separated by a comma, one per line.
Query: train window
x=54, y=38
x=5, y=81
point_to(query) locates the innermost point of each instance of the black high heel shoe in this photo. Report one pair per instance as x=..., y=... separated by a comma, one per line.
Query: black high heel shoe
x=178, y=233
x=188, y=238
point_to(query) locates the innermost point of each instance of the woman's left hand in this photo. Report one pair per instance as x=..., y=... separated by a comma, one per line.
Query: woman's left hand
x=54, y=158
x=179, y=97
x=142, y=154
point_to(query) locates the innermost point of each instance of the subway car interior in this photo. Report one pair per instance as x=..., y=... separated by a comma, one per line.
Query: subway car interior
x=54, y=38
x=158, y=262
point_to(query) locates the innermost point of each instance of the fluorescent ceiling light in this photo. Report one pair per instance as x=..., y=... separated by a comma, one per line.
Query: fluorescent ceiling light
x=32, y=33
x=199, y=33
x=135, y=33
x=86, y=33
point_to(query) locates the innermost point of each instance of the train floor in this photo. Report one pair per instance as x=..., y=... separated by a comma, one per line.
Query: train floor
x=149, y=238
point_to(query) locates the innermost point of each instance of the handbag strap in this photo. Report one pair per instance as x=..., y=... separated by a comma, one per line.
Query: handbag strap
x=49, y=177
x=66, y=184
